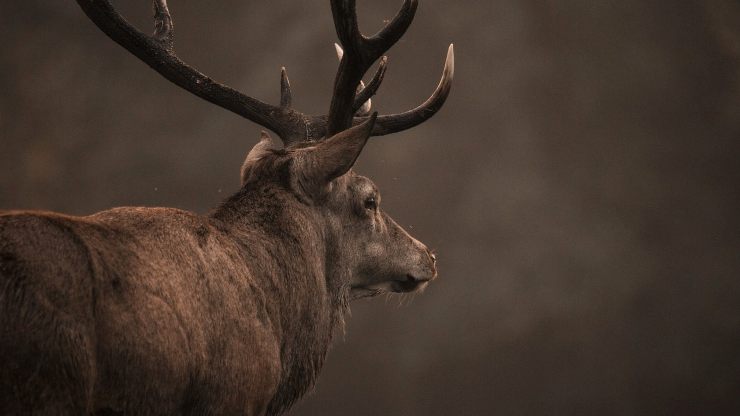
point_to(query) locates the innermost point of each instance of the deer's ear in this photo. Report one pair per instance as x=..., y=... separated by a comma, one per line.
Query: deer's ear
x=260, y=150
x=315, y=167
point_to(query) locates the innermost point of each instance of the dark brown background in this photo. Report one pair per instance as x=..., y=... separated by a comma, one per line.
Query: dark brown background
x=581, y=185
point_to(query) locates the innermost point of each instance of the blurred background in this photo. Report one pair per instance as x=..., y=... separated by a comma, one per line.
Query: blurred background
x=581, y=185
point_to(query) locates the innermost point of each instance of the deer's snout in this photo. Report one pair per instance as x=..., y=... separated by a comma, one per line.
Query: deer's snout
x=422, y=270
x=397, y=262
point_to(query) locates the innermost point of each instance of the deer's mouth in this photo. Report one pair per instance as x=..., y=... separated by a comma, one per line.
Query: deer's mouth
x=408, y=284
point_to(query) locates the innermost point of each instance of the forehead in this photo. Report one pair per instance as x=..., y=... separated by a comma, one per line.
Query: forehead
x=359, y=184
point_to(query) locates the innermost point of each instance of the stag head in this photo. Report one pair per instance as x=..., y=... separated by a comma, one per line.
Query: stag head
x=378, y=254
x=314, y=166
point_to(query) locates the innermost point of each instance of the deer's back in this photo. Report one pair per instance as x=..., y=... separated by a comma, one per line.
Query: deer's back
x=157, y=303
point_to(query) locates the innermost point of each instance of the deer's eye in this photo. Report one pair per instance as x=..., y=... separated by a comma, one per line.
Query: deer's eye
x=371, y=203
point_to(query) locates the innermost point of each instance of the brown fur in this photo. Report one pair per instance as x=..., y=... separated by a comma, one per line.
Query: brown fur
x=162, y=311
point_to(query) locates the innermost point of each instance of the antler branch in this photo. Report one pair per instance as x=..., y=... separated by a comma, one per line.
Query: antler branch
x=368, y=91
x=157, y=51
x=359, y=54
x=163, y=24
x=398, y=122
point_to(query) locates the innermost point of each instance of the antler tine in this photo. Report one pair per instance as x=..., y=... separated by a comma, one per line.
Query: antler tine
x=286, y=96
x=359, y=54
x=157, y=52
x=393, y=31
x=398, y=122
x=372, y=87
x=163, y=23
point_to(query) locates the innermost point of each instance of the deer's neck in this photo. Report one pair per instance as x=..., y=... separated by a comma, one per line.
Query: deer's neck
x=288, y=253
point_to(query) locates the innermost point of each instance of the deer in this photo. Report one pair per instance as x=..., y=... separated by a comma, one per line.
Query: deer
x=161, y=311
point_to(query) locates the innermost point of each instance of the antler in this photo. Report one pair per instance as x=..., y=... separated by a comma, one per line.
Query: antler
x=360, y=53
x=157, y=51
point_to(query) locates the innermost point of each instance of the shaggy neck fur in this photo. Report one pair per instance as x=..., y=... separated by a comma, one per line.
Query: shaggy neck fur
x=296, y=260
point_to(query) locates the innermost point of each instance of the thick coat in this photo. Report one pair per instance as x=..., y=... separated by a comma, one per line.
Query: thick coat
x=226, y=312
